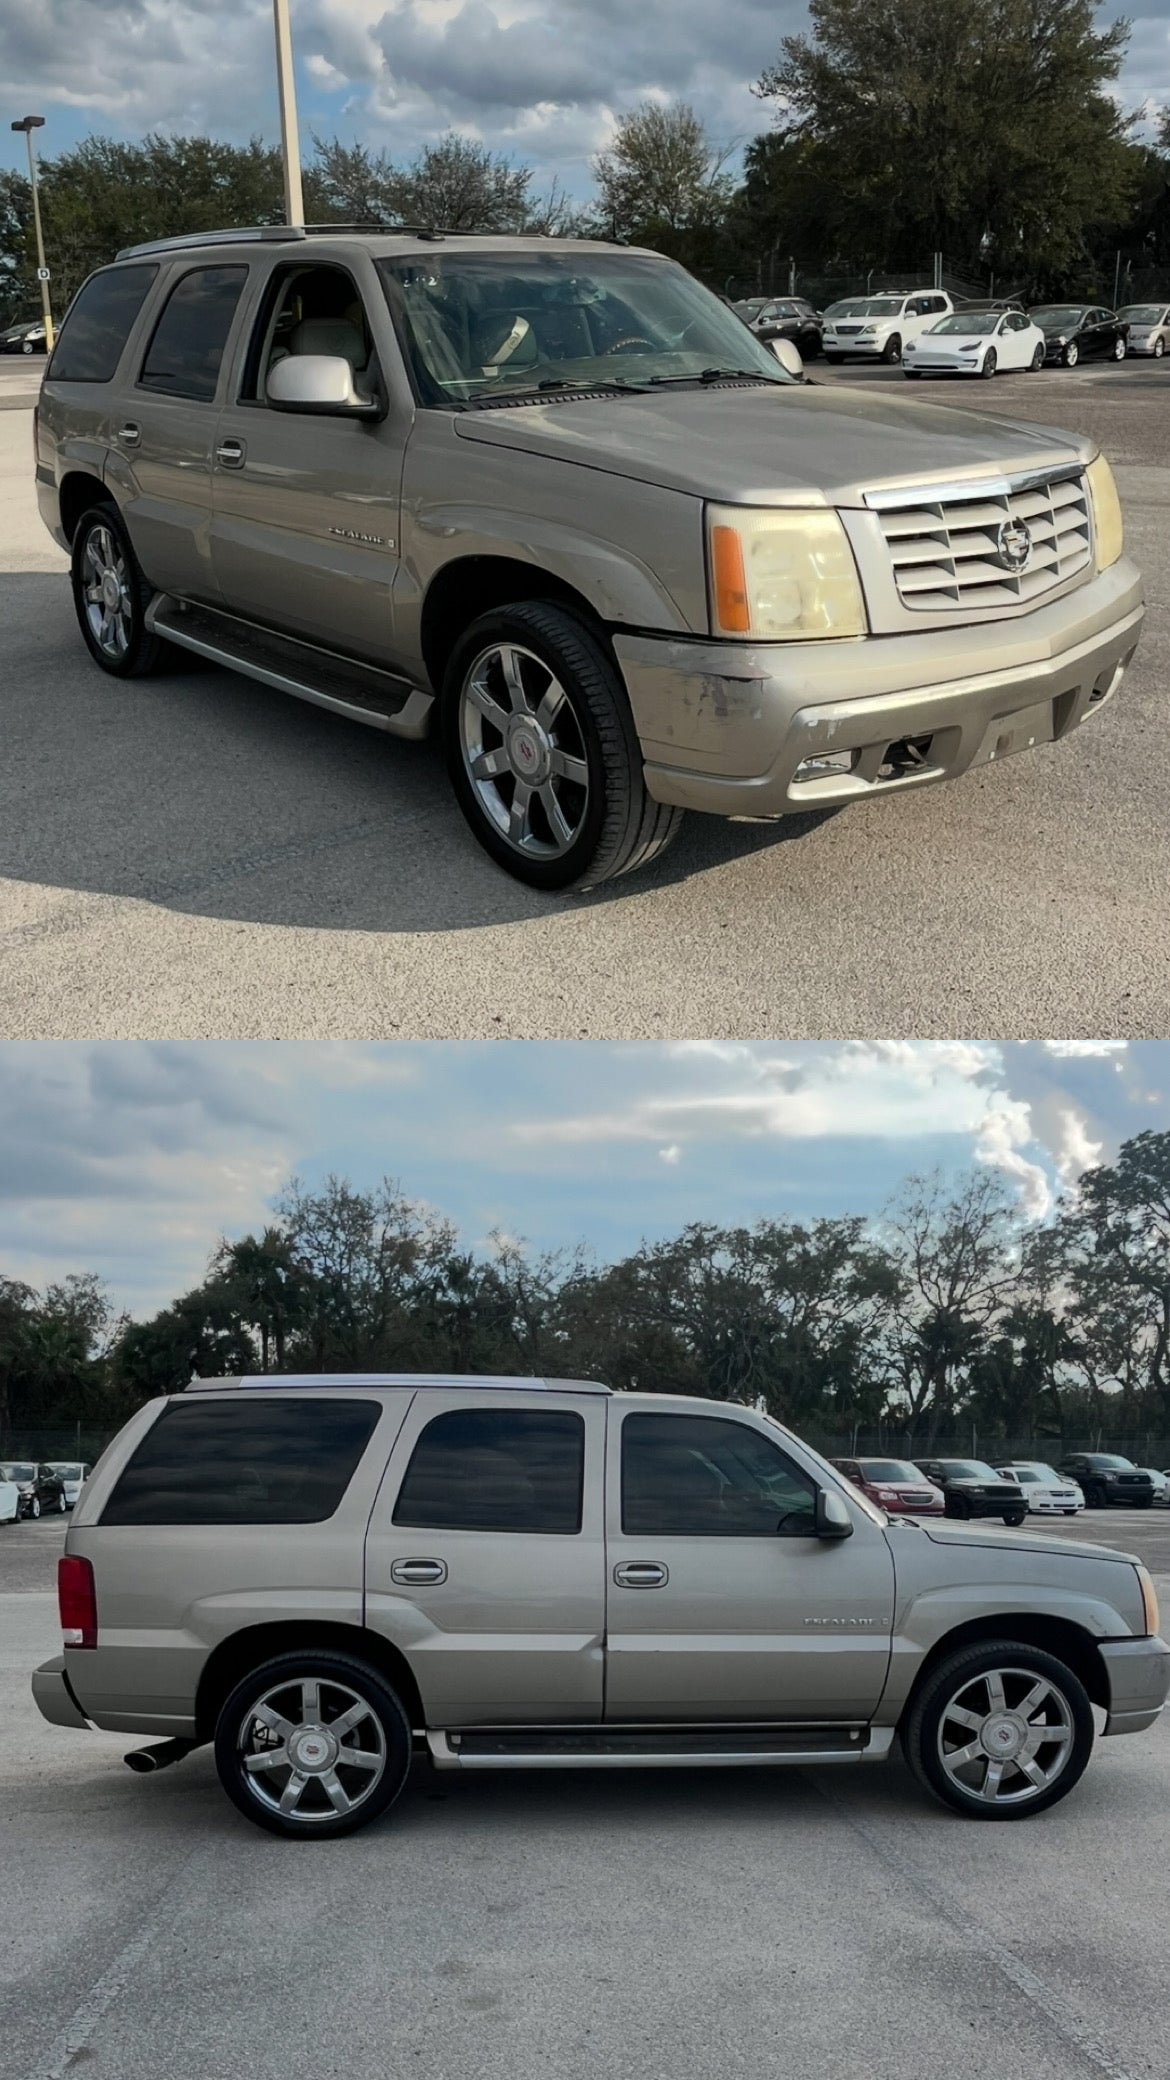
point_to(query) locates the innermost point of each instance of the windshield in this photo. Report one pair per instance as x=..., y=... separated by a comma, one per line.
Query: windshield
x=1059, y=314
x=1046, y=1476
x=67, y=1473
x=484, y=325
x=16, y=1472
x=1108, y=1461
x=890, y=1470
x=968, y=321
x=969, y=1470
x=877, y=307
x=1143, y=313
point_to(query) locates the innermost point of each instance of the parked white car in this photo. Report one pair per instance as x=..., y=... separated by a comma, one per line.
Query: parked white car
x=9, y=1502
x=976, y=343
x=1161, y=1486
x=73, y=1474
x=878, y=328
x=1048, y=1493
x=1149, y=328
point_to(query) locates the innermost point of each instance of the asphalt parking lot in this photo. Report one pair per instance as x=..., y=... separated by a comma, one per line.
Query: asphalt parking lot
x=634, y=1925
x=197, y=857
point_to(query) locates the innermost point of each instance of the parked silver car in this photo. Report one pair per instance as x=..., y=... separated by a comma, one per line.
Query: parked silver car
x=555, y=497
x=326, y=1575
x=1149, y=328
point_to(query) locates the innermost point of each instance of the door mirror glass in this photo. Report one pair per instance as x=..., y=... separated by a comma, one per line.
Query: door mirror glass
x=827, y=1518
x=321, y=383
x=788, y=355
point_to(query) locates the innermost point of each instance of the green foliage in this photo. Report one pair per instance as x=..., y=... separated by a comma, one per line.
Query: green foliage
x=660, y=183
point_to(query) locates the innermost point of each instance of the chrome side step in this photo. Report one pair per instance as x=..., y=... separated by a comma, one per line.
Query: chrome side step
x=361, y=692
x=655, y=1747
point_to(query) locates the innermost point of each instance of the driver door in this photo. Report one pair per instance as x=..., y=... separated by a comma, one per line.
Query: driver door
x=713, y=1610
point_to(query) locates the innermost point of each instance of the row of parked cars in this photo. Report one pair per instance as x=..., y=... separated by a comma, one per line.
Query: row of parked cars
x=32, y=1488
x=929, y=333
x=1012, y=1490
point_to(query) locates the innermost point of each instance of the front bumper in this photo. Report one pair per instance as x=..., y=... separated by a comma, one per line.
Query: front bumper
x=1139, y=1680
x=726, y=727
x=873, y=349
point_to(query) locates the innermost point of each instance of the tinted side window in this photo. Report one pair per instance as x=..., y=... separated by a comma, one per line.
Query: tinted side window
x=269, y=1461
x=98, y=323
x=706, y=1477
x=187, y=347
x=496, y=1469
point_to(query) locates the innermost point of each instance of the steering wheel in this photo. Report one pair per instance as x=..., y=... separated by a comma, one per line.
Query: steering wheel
x=634, y=339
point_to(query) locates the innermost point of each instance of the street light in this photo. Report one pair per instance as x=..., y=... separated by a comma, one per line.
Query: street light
x=28, y=124
x=294, y=205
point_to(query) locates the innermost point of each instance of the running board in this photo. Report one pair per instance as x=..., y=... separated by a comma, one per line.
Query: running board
x=361, y=692
x=655, y=1747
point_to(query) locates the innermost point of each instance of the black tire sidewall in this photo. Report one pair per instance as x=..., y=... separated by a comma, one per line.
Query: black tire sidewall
x=143, y=647
x=990, y=363
x=920, y=1726
x=329, y=1667
x=892, y=351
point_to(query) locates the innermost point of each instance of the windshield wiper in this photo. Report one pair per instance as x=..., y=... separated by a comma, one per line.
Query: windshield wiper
x=720, y=375
x=568, y=387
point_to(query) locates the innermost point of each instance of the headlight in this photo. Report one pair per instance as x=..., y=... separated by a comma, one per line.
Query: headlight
x=782, y=574
x=1107, y=527
x=867, y=332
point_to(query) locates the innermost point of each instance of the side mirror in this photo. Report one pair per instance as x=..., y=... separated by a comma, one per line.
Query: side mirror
x=321, y=383
x=828, y=1518
x=788, y=355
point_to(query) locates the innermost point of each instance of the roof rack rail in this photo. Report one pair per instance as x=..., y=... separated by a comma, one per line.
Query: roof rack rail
x=277, y=234
x=492, y=1382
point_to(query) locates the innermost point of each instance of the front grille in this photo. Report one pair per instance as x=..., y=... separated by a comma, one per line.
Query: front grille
x=847, y=331
x=946, y=552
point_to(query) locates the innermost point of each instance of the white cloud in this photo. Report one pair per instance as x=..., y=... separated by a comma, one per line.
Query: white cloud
x=1006, y=1129
x=1075, y=1152
x=1075, y=1050
x=673, y=1154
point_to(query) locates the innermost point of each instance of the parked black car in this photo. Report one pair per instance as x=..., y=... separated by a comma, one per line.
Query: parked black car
x=972, y=1488
x=1076, y=332
x=40, y=1488
x=991, y=303
x=29, y=338
x=1109, y=1481
x=790, y=317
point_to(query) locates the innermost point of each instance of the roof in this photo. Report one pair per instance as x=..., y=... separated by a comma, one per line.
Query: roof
x=495, y=1382
x=401, y=236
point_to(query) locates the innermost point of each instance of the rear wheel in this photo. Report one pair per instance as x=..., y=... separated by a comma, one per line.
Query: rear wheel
x=312, y=1744
x=999, y=1731
x=542, y=750
x=111, y=596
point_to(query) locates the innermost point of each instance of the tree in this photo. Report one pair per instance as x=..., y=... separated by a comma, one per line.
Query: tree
x=455, y=184
x=660, y=182
x=953, y=1250
x=1122, y=1219
x=945, y=124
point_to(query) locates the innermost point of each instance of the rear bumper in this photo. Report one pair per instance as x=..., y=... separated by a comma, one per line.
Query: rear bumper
x=727, y=727
x=54, y=1697
x=1139, y=1679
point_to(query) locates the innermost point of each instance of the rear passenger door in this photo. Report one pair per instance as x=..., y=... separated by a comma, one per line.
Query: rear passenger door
x=162, y=431
x=485, y=1560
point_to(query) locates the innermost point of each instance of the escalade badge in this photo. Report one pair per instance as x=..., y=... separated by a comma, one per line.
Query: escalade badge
x=1013, y=545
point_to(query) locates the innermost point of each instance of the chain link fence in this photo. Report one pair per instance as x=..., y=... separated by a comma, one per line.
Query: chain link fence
x=1112, y=283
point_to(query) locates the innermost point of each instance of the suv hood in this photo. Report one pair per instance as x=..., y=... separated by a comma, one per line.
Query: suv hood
x=949, y=1534
x=788, y=445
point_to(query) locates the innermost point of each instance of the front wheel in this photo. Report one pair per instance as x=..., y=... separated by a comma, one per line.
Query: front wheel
x=958, y=1506
x=542, y=750
x=1119, y=350
x=892, y=351
x=1071, y=355
x=990, y=364
x=111, y=596
x=834, y=359
x=1014, y=1518
x=1094, y=1496
x=34, y=1508
x=1159, y=349
x=999, y=1731
x=61, y=1505
x=1037, y=362
x=312, y=1744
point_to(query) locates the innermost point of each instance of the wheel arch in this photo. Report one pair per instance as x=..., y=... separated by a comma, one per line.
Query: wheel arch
x=1068, y=1641
x=236, y=1656
x=78, y=490
x=469, y=586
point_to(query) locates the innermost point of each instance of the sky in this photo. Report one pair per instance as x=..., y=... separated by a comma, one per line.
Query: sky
x=542, y=80
x=132, y=1159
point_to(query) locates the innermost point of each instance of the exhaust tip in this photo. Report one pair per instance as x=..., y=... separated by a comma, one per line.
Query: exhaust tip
x=142, y=1762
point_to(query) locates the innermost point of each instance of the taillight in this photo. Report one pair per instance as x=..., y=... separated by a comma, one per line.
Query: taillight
x=77, y=1601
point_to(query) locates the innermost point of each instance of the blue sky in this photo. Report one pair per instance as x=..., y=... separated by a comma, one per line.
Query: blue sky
x=542, y=80
x=131, y=1159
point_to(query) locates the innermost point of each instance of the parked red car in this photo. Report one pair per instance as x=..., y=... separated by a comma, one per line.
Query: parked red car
x=895, y=1485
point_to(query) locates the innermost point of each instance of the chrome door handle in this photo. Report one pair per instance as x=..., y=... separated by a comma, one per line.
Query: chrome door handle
x=130, y=435
x=418, y=1571
x=641, y=1574
x=230, y=453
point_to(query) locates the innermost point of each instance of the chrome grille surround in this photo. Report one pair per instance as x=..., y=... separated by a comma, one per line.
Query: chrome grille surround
x=943, y=539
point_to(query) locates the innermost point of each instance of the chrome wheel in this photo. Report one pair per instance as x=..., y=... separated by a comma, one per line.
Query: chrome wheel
x=109, y=606
x=311, y=1749
x=524, y=751
x=1005, y=1736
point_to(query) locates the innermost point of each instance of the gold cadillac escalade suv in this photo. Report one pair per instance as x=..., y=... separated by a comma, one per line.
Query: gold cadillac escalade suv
x=328, y=1575
x=554, y=497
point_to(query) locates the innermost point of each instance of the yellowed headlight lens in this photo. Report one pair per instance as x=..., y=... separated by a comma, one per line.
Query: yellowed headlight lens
x=799, y=579
x=1107, y=527
x=1149, y=1600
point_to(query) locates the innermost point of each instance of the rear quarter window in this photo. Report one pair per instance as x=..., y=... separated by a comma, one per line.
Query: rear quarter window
x=270, y=1461
x=98, y=324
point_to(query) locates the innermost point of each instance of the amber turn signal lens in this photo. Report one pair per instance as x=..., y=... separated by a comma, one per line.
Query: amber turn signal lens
x=732, y=614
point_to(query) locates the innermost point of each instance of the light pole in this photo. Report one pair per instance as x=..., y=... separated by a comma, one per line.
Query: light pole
x=294, y=202
x=28, y=124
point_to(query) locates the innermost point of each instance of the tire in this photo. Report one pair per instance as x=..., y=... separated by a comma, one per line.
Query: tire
x=1094, y=1496
x=959, y=1507
x=34, y=1509
x=1119, y=350
x=892, y=351
x=912, y=375
x=1071, y=355
x=608, y=823
x=1068, y=1513
x=1014, y=1518
x=928, y=1732
x=834, y=360
x=1147, y=1502
x=382, y=1732
x=989, y=364
x=26, y=346
x=62, y=1505
x=103, y=555
x=1037, y=361
x=1159, y=349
